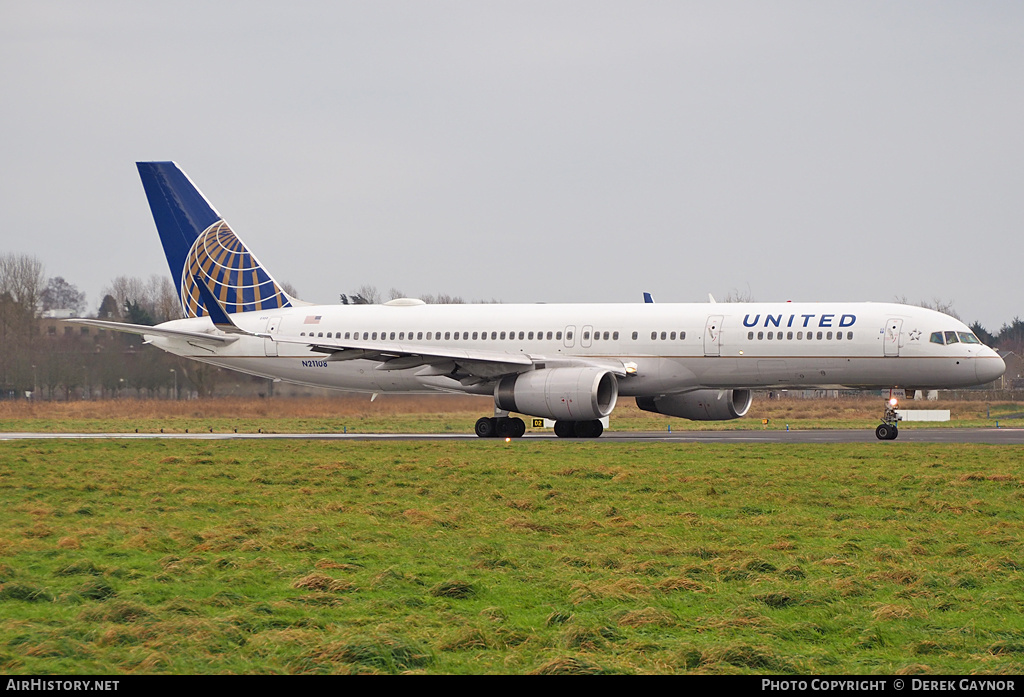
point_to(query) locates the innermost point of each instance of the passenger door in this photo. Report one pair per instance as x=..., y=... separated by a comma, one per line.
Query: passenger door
x=713, y=336
x=893, y=328
x=269, y=345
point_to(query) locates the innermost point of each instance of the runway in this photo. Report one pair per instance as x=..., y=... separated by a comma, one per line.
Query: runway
x=992, y=436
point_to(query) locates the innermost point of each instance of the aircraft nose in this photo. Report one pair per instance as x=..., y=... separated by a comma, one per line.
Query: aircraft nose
x=988, y=368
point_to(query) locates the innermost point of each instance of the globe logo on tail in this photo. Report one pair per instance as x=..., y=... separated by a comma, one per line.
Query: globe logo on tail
x=234, y=276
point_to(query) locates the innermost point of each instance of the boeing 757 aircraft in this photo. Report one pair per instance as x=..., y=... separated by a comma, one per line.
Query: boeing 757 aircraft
x=568, y=363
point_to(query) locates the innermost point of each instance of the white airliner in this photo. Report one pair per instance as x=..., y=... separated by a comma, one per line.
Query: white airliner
x=568, y=363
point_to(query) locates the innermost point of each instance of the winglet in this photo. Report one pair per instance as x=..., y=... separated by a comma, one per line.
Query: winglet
x=220, y=317
x=648, y=298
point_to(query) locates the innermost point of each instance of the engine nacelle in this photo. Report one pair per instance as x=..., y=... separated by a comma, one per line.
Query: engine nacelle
x=563, y=394
x=700, y=405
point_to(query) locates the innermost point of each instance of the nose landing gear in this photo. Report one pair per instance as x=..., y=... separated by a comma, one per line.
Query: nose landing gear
x=888, y=429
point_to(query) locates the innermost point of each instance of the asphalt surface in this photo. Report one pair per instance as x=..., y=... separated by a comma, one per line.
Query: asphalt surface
x=994, y=436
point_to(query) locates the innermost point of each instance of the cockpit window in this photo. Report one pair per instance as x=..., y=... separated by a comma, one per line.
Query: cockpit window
x=951, y=338
x=968, y=338
x=937, y=338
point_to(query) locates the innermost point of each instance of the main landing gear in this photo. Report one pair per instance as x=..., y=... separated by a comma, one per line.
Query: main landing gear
x=505, y=427
x=500, y=427
x=578, y=429
x=888, y=429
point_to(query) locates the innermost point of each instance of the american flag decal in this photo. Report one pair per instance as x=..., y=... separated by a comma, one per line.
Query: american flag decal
x=311, y=319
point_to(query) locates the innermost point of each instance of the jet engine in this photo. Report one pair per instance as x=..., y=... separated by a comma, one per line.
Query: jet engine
x=700, y=405
x=562, y=394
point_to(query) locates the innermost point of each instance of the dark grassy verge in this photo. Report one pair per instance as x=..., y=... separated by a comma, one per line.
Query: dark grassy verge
x=311, y=557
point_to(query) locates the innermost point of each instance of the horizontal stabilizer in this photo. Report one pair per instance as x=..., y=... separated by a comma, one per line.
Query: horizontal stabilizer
x=146, y=330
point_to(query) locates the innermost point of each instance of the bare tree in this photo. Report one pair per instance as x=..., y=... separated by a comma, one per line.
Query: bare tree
x=739, y=296
x=369, y=293
x=442, y=299
x=165, y=302
x=22, y=279
x=943, y=306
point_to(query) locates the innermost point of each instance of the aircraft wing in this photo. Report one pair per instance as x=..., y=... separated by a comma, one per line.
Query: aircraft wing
x=466, y=365
x=143, y=330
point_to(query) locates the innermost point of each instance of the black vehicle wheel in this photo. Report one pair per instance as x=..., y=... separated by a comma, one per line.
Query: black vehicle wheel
x=485, y=427
x=565, y=429
x=518, y=427
x=503, y=429
x=884, y=432
x=588, y=429
x=895, y=433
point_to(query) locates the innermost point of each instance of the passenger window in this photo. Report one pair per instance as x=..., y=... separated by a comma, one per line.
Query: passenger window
x=654, y=335
x=839, y=336
x=682, y=336
x=474, y=336
x=447, y=336
x=789, y=336
x=951, y=338
x=522, y=335
x=750, y=335
x=778, y=336
x=829, y=336
x=760, y=335
x=663, y=335
x=320, y=334
x=549, y=336
x=819, y=336
x=586, y=335
x=635, y=335
x=302, y=333
x=799, y=336
x=568, y=336
x=429, y=334
x=771, y=335
x=615, y=336
x=419, y=336
x=401, y=336
x=849, y=336
x=366, y=335
x=494, y=336
x=328, y=335
x=392, y=336
x=606, y=336
x=503, y=335
x=558, y=336
x=672, y=336
x=347, y=336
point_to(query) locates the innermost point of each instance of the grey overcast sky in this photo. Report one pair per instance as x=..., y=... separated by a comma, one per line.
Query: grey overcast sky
x=533, y=151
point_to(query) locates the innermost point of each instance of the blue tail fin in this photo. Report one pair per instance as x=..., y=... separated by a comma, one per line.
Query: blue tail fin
x=200, y=245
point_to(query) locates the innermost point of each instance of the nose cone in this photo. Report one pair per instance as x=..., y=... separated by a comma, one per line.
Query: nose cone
x=989, y=367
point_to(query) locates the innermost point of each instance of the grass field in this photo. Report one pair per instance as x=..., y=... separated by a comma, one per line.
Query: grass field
x=529, y=557
x=441, y=414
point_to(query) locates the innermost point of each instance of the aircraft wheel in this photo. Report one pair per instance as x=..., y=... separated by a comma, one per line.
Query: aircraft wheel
x=504, y=428
x=518, y=427
x=565, y=429
x=894, y=434
x=485, y=427
x=588, y=429
x=884, y=432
